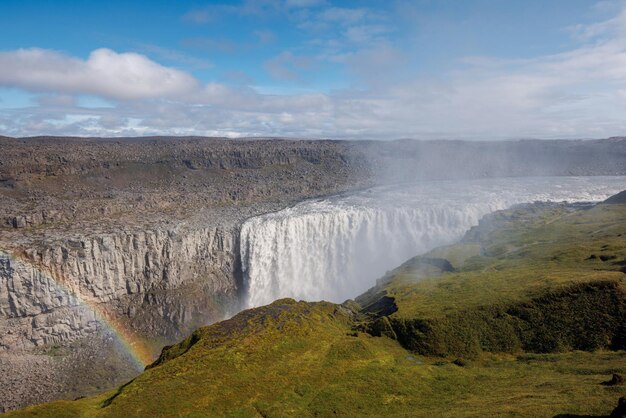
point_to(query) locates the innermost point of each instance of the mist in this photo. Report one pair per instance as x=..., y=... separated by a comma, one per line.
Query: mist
x=427, y=194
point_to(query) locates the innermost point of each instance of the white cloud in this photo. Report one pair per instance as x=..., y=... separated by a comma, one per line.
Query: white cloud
x=577, y=93
x=365, y=33
x=56, y=100
x=330, y=19
x=378, y=64
x=265, y=36
x=304, y=3
x=343, y=15
x=105, y=73
x=616, y=24
x=202, y=15
x=176, y=56
x=213, y=12
x=212, y=44
x=287, y=66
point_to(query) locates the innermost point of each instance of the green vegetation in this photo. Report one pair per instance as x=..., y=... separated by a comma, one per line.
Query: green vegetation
x=525, y=317
x=539, y=285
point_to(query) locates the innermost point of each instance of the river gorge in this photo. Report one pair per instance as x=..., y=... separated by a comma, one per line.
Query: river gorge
x=120, y=247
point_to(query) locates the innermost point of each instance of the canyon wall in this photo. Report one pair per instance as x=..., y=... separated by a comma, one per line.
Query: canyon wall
x=118, y=295
x=136, y=275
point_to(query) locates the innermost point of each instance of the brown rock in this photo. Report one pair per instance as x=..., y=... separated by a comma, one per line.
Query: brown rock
x=616, y=379
x=620, y=410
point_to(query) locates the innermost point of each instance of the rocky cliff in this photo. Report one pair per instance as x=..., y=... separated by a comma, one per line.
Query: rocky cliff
x=45, y=288
x=152, y=286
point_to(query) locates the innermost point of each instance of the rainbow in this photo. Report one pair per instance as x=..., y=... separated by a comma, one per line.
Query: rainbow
x=138, y=351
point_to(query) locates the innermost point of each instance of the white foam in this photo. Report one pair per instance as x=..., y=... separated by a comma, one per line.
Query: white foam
x=335, y=249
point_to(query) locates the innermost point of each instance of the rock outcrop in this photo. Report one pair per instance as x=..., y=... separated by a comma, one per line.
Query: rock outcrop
x=153, y=286
x=46, y=290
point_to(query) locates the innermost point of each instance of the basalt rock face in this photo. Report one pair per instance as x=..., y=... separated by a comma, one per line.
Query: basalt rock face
x=156, y=286
x=132, y=275
x=617, y=199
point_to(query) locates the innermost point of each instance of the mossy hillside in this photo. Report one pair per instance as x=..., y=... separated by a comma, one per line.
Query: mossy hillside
x=304, y=359
x=531, y=278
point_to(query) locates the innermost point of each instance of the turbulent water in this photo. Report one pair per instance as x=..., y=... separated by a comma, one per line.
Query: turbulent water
x=334, y=249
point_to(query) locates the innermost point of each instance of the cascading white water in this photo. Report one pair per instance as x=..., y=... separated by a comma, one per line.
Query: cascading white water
x=334, y=249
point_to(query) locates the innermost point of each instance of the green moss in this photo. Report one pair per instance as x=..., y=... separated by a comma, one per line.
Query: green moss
x=322, y=370
x=534, y=288
x=585, y=316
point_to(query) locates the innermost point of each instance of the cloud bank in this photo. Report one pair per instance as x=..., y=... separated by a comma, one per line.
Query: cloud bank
x=105, y=73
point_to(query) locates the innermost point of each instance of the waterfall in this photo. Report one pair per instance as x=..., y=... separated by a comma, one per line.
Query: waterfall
x=334, y=249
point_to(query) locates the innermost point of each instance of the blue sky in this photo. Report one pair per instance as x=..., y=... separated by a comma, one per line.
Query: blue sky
x=492, y=69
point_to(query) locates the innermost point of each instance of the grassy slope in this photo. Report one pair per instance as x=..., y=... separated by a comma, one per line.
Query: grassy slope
x=551, y=250
x=306, y=359
x=538, y=283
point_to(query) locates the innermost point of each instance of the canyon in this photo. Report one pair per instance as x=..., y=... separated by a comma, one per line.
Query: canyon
x=111, y=249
